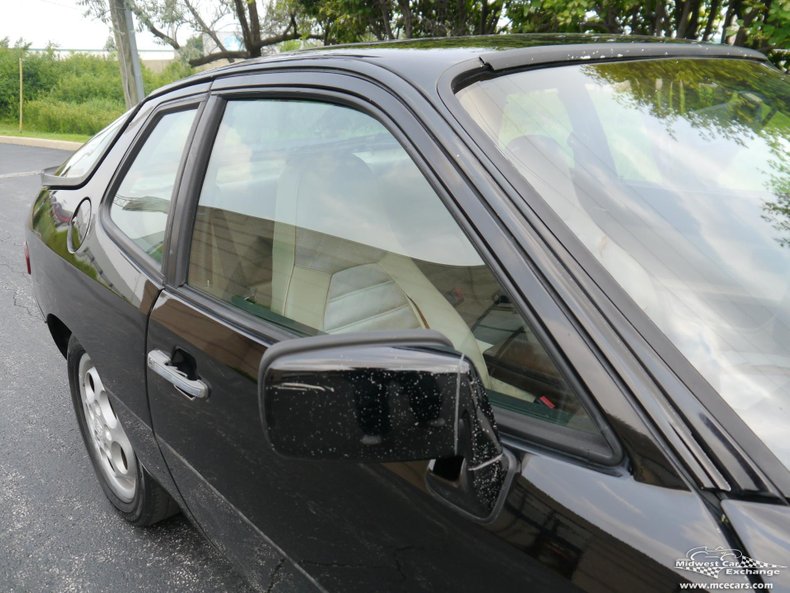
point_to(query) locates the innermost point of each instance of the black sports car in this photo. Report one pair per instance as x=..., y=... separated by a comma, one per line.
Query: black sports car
x=484, y=314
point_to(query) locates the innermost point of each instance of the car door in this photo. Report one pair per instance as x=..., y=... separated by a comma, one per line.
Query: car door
x=333, y=211
x=108, y=267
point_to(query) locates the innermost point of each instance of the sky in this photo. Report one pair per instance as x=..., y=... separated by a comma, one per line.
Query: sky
x=63, y=23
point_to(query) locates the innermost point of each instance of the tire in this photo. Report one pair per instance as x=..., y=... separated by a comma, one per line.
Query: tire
x=133, y=492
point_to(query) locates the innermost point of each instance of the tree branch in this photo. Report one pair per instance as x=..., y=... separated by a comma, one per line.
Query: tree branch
x=231, y=55
x=220, y=55
x=682, y=23
x=203, y=26
x=241, y=15
x=714, y=10
x=255, y=23
x=275, y=39
x=385, y=18
x=148, y=24
x=406, y=13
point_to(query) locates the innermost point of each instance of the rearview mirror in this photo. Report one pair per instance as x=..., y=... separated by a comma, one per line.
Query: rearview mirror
x=383, y=397
x=364, y=398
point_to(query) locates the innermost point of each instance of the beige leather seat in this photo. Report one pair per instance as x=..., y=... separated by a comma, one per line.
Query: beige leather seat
x=327, y=275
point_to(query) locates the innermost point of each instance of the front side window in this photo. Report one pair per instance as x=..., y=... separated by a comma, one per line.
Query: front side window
x=313, y=215
x=675, y=174
x=141, y=203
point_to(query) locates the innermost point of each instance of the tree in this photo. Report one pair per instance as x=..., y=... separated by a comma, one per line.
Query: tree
x=263, y=24
x=167, y=19
x=344, y=21
x=763, y=25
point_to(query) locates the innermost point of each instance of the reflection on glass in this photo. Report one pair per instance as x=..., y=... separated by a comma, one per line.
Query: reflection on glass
x=89, y=153
x=675, y=175
x=312, y=215
x=142, y=202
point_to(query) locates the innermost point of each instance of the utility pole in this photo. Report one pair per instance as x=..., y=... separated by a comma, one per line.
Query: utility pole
x=123, y=29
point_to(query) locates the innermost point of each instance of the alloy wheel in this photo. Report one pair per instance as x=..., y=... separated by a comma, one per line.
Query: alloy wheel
x=117, y=460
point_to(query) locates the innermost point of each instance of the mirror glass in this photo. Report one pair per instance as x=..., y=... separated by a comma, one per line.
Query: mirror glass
x=365, y=403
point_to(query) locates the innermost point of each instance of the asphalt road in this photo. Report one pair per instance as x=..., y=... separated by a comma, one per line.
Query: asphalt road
x=58, y=534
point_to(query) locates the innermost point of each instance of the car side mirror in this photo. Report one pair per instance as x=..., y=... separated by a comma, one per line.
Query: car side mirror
x=383, y=397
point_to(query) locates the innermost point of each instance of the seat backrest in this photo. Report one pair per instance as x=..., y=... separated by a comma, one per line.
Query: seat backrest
x=328, y=272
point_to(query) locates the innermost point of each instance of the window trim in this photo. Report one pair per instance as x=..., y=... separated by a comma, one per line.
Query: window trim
x=380, y=104
x=126, y=245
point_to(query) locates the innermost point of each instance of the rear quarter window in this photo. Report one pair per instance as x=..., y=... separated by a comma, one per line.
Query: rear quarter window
x=88, y=155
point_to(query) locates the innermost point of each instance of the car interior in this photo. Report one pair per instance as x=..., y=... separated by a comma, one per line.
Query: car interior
x=349, y=236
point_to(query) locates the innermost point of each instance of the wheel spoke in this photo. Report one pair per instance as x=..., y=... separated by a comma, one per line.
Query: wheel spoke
x=122, y=451
x=92, y=385
x=116, y=457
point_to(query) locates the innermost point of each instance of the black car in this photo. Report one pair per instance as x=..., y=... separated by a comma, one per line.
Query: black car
x=485, y=314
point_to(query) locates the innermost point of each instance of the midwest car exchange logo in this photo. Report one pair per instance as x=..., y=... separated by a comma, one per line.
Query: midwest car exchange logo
x=713, y=562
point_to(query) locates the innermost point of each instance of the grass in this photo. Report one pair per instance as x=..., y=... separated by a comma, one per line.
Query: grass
x=8, y=128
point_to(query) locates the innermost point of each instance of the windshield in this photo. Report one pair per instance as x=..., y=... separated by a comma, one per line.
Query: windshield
x=675, y=174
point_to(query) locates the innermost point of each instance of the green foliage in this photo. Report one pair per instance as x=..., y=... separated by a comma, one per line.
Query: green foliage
x=9, y=80
x=766, y=28
x=345, y=21
x=78, y=94
x=564, y=16
x=81, y=77
x=87, y=117
x=38, y=74
x=175, y=70
x=751, y=23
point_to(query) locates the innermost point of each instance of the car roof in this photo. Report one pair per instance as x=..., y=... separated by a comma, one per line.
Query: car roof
x=423, y=61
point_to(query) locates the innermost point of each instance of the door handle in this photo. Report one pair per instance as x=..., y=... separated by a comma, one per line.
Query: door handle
x=160, y=363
